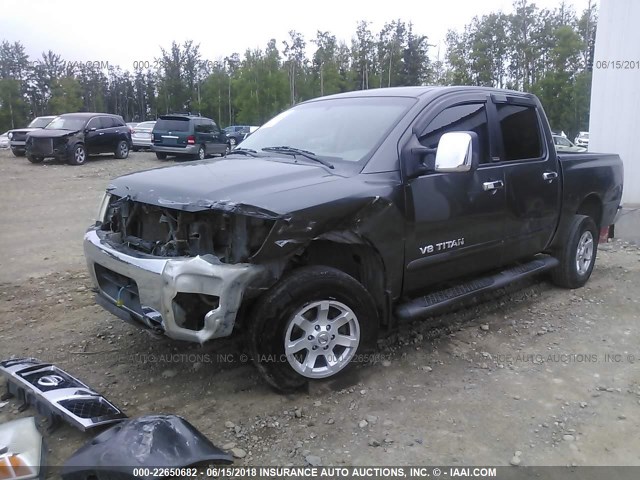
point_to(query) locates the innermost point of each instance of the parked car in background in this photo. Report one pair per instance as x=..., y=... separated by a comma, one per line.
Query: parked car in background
x=559, y=133
x=582, y=139
x=18, y=137
x=563, y=144
x=4, y=140
x=141, y=135
x=188, y=135
x=237, y=133
x=74, y=136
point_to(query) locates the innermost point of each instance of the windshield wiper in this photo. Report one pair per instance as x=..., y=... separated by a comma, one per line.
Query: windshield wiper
x=243, y=151
x=298, y=151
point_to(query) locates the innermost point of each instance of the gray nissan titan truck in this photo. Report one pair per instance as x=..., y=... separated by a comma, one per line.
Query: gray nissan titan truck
x=345, y=215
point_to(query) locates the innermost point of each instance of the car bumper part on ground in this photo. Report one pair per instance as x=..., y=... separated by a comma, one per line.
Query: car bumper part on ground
x=142, y=289
x=188, y=150
x=57, y=395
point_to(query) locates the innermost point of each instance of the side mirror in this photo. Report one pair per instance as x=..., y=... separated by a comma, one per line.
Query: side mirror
x=457, y=152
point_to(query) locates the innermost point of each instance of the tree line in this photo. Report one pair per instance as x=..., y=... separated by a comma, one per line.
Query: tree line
x=548, y=52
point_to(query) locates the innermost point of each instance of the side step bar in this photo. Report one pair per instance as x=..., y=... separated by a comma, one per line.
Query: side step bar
x=432, y=303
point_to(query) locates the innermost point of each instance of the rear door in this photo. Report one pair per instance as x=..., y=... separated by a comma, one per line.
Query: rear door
x=108, y=133
x=171, y=131
x=93, y=137
x=457, y=224
x=531, y=176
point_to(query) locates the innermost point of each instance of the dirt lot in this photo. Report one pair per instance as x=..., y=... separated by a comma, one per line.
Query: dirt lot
x=525, y=371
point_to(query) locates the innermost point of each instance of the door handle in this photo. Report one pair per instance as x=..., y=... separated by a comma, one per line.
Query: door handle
x=487, y=186
x=101, y=133
x=549, y=176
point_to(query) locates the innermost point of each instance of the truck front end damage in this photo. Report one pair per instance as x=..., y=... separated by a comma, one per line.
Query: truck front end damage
x=179, y=271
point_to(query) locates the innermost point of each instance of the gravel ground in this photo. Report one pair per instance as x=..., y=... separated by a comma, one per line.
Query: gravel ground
x=534, y=375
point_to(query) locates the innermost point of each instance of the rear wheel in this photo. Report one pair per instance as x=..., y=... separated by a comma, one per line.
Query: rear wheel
x=310, y=325
x=202, y=153
x=34, y=159
x=577, y=254
x=161, y=156
x=17, y=153
x=78, y=155
x=122, y=149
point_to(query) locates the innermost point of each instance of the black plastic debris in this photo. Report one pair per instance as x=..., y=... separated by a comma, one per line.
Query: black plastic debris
x=140, y=448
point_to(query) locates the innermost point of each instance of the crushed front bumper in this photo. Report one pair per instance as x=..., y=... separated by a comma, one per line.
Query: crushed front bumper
x=145, y=290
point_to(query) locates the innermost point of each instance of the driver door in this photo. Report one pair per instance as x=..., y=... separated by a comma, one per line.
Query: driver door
x=456, y=226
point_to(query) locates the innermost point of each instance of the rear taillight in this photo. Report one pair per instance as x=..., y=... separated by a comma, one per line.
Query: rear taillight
x=191, y=139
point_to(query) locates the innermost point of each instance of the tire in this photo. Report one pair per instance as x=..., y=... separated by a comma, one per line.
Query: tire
x=278, y=316
x=577, y=254
x=78, y=155
x=34, y=159
x=18, y=153
x=227, y=150
x=161, y=156
x=202, y=153
x=232, y=142
x=122, y=150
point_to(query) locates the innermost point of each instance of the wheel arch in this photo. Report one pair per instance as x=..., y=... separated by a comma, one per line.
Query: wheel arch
x=356, y=258
x=592, y=207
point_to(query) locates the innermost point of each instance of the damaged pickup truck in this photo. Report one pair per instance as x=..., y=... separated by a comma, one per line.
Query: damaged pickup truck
x=345, y=215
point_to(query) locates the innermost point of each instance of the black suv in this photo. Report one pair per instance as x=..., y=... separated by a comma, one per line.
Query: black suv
x=75, y=136
x=188, y=135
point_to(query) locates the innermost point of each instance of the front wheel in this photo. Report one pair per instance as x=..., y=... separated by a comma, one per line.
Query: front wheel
x=17, y=153
x=577, y=254
x=310, y=325
x=34, y=159
x=161, y=156
x=78, y=156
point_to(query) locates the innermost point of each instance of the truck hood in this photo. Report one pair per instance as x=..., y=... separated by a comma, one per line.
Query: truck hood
x=44, y=133
x=253, y=186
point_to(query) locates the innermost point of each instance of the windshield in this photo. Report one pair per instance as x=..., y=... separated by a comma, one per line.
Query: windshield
x=342, y=128
x=67, y=123
x=40, y=122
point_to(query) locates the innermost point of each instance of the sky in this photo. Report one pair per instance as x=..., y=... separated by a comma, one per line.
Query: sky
x=124, y=32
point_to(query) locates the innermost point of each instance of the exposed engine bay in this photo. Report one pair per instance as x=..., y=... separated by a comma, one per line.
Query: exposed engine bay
x=169, y=232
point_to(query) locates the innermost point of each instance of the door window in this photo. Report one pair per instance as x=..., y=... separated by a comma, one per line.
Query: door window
x=94, y=123
x=199, y=126
x=107, y=122
x=520, y=128
x=471, y=117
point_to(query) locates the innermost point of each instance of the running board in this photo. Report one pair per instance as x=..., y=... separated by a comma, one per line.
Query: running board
x=432, y=303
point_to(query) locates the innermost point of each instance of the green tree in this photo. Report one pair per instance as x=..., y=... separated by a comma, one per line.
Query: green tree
x=66, y=96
